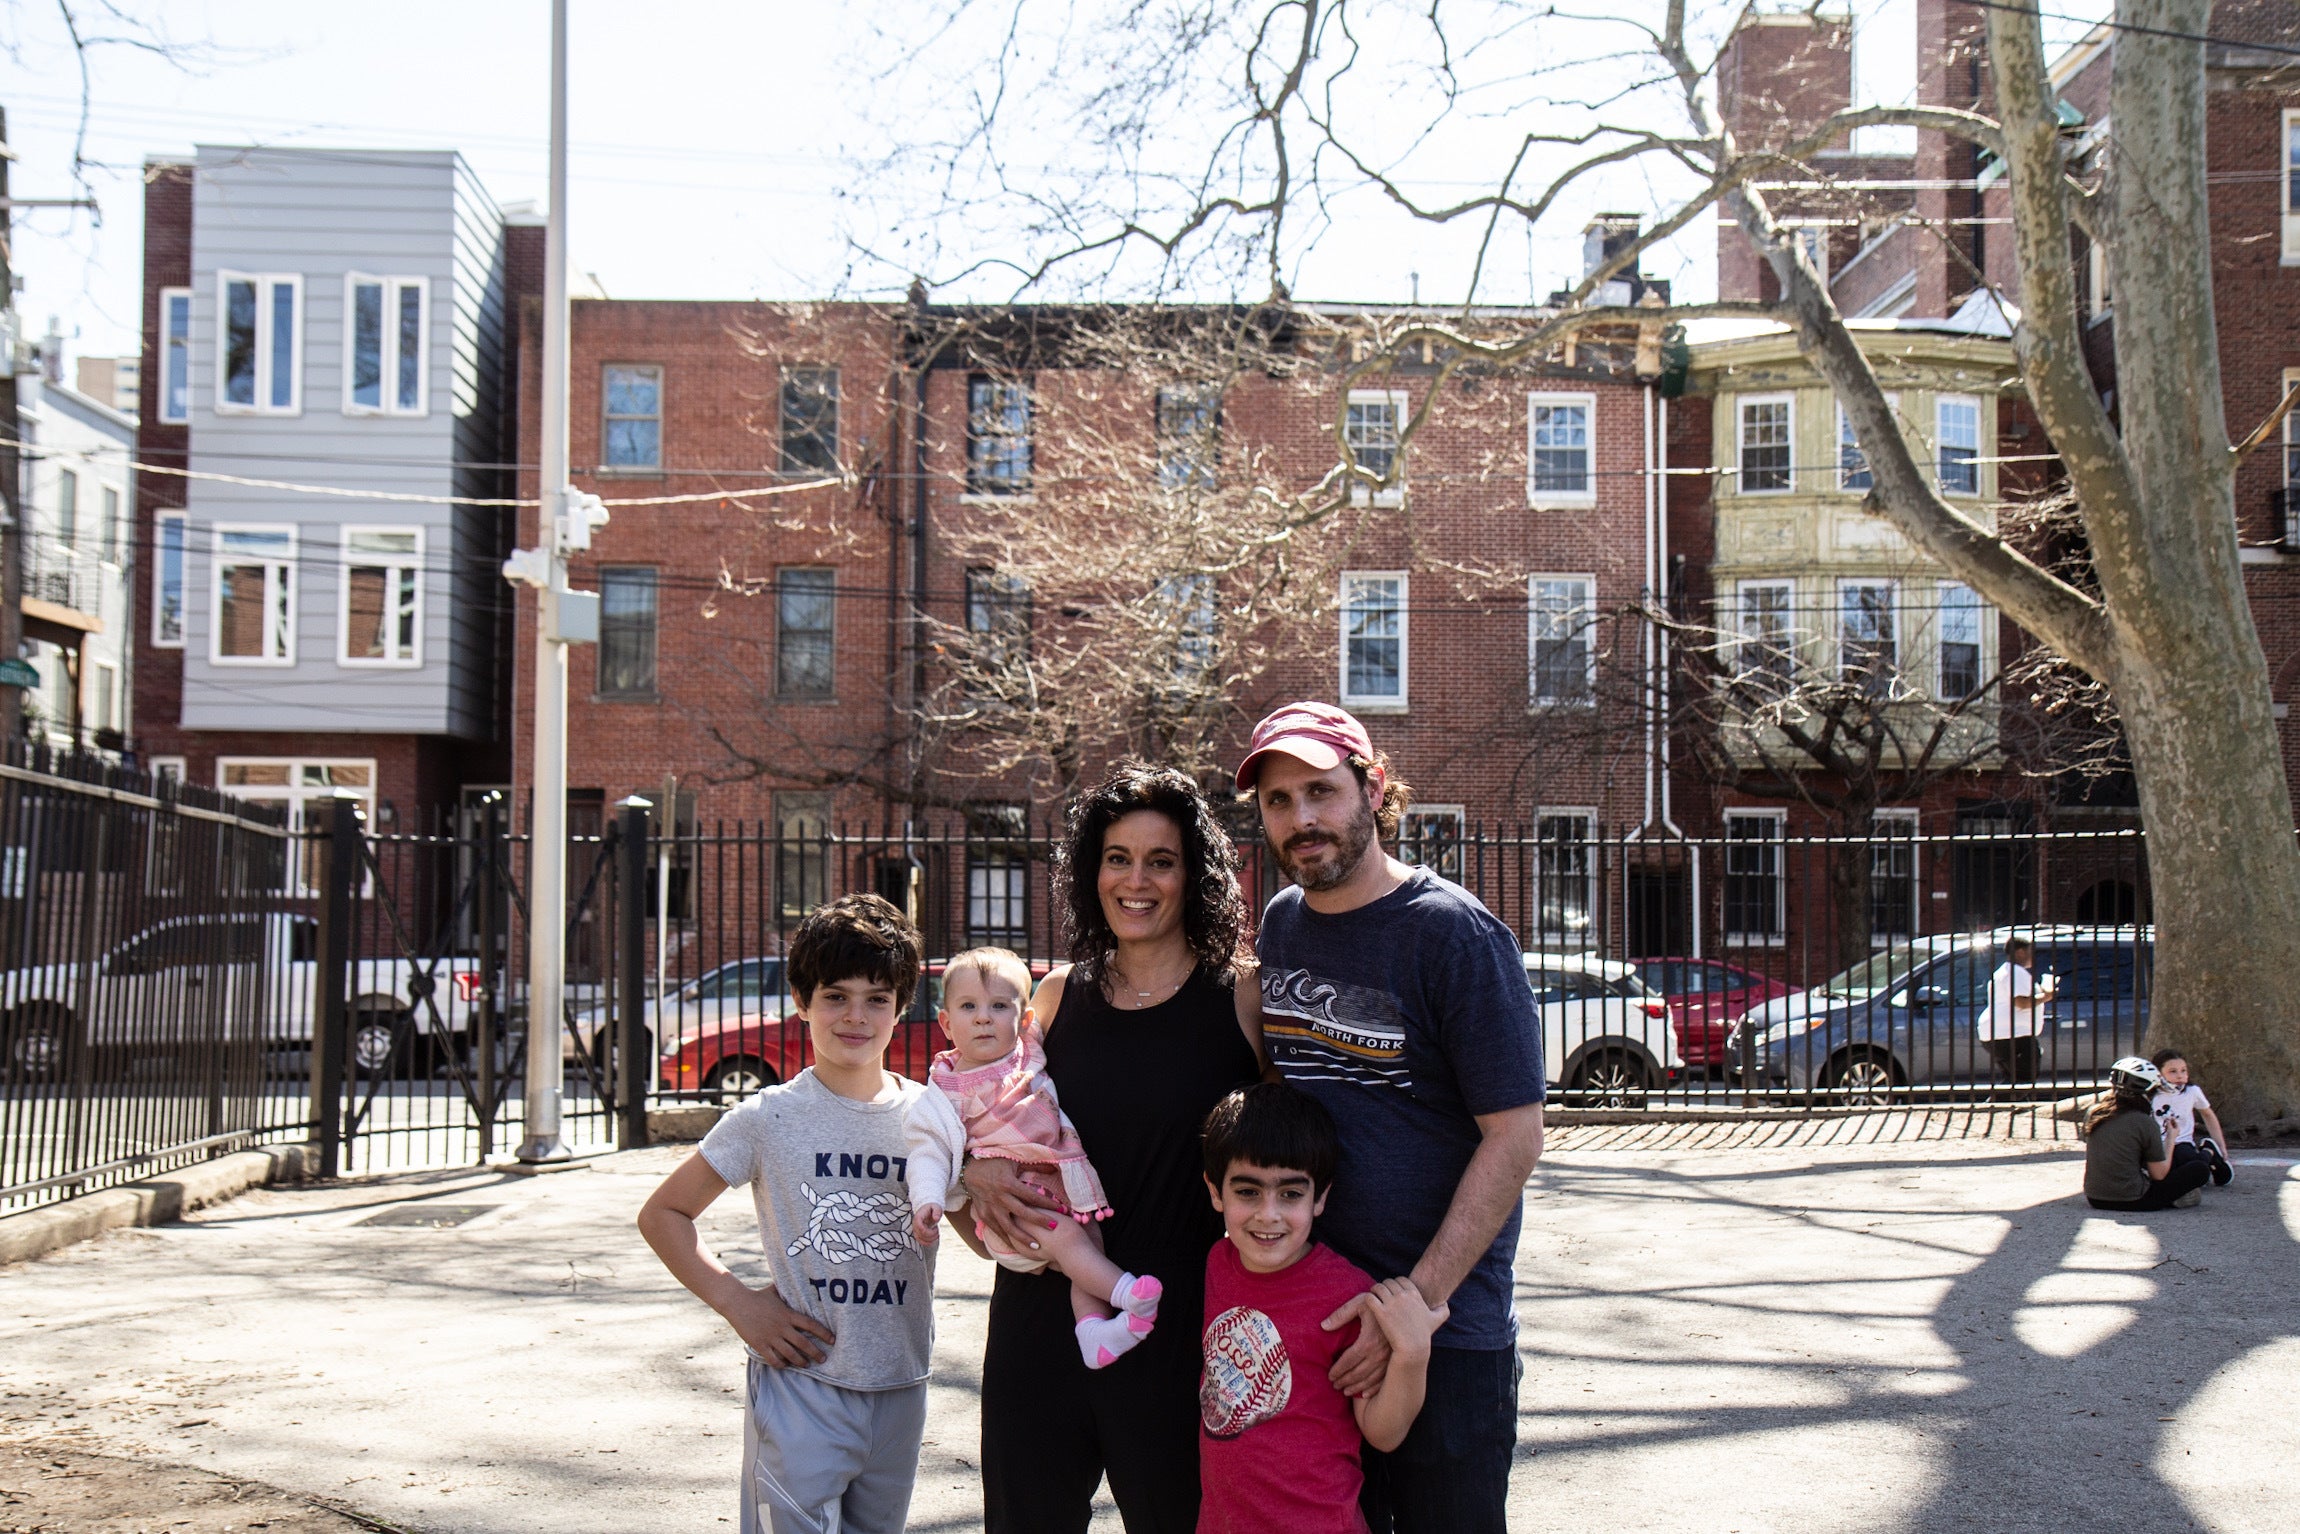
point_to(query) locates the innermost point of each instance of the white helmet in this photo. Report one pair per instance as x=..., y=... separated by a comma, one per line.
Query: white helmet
x=2134, y=1072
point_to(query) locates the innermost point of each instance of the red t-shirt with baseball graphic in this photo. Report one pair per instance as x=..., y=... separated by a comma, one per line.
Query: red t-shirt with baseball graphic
x=1278, y=1446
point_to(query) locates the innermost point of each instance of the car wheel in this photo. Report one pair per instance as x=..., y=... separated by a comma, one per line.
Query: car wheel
x=732, y=1081
x=375, y=1041
x=1862, y=1078
x=39, y=1044
x=1612, y=1078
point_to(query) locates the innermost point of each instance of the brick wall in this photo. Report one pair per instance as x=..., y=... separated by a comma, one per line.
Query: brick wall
x=158, y=674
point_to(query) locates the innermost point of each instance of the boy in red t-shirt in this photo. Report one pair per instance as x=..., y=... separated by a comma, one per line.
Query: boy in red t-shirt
x=1279, y=1450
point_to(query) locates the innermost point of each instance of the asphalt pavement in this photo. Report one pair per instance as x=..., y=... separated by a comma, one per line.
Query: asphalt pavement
x=1855, y=1336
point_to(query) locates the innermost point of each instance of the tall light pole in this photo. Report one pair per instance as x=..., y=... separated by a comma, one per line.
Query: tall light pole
x=564, y=523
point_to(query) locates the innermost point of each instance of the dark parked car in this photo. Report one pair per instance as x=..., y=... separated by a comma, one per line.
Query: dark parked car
x=1921, y=1026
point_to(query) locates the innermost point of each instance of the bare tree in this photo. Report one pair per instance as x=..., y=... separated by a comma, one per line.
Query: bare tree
x=2166, y=632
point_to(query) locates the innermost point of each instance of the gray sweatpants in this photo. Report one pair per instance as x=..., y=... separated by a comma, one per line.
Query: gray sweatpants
x=821, y=1459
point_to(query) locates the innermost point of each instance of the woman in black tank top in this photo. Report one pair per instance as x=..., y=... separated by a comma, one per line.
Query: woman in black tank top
x=1146, y=1030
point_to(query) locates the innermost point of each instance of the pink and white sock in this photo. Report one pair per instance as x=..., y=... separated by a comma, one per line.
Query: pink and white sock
x=1137, y=1296
x=1103, y=1339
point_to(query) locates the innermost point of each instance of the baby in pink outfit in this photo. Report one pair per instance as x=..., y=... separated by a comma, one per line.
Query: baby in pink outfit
x=989, y=1095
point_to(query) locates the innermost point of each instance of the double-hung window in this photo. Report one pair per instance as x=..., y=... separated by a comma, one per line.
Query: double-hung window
x=253, y=622
x=1853, y=471
x=109, y=531
x=804, y=602
x=2288, y=522
x=259, y=355
x=168, y=580
x=1755, y=899
x=175, y=355
x=631, y=417
x=1765, y=638
x=1374, y=639
x=999, y=447
x=2289, y=185
x=1565, y=872
x=998, y=620
x=1430, y=836
x=1561, y=469
x=1767, y=434
x=384, y=352
x=1189, y=436
x=67, y=509
x=627, y=631
x=1186, y=602
x=1868, y=636
x=810, y=420
x=1962, y=616
x=382, y=601
x=1373, y=425
x=1892, y=877
x=1957, y=421
x=1560, y=635
x=802, y=851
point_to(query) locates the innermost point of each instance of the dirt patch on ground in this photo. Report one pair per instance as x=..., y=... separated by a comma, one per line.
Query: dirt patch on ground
x=47, y=1488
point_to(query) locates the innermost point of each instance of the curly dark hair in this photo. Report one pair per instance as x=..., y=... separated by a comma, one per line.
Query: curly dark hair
x=1213, y=907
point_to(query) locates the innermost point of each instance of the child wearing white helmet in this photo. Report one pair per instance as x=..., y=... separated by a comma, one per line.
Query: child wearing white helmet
x=2126, y=1165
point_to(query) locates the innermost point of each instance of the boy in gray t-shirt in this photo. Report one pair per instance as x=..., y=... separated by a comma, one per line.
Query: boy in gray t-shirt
x=840, y=1343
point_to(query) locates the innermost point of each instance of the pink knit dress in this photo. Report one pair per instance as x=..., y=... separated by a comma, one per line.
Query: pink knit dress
x=1009, y=1110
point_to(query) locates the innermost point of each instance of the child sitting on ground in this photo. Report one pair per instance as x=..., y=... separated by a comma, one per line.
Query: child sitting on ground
x=2178, y=1104
x=841, y=1337
x=1279, y=1453
x=989, y=1095
x=2125, y=1163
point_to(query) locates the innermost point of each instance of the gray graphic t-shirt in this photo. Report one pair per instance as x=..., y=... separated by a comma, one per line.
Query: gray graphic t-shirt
x=834, y=1218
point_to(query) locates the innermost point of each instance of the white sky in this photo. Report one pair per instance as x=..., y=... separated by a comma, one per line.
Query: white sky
x=718, y=144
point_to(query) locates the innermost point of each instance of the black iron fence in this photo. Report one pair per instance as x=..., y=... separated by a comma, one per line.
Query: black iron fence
x=1746, y=972
x=150, y=1013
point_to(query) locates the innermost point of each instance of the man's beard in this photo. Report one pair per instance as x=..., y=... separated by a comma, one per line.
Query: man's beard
x=1350, y=847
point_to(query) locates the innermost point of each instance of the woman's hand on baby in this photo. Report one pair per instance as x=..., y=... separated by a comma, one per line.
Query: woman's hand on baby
x=1406, y=1319
x=1015, y=1211
x=783, y=1337
x=926, y=1223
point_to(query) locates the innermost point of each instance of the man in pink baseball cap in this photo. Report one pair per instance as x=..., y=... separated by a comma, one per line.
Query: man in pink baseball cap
x=1397, y=1000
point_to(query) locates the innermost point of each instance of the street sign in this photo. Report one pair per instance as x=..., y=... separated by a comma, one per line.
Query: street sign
x=18, y=673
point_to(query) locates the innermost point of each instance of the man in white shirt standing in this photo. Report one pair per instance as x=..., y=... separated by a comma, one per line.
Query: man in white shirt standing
x=2016, y=1001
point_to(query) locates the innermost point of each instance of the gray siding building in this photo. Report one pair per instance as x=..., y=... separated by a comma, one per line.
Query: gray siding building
x=332, y=351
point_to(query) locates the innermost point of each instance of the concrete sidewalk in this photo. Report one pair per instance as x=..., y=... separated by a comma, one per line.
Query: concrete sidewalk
x=1897, y=1336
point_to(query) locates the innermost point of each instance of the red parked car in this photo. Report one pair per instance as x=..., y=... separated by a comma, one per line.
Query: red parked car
x=728, y=1061
x=1705, y=996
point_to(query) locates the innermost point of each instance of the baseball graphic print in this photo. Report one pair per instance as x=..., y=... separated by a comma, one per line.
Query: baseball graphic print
x=1248, y=1377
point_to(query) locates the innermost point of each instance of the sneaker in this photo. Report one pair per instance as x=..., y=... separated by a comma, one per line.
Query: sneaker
x=2222, y=1173
x=2190, y=1199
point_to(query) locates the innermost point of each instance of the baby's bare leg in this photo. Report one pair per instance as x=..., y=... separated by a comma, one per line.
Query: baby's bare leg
x=1077, y=1250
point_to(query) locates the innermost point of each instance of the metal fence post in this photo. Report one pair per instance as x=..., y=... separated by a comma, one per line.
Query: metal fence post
x=634, y=1049
x=330, y=1012
x=492, y=971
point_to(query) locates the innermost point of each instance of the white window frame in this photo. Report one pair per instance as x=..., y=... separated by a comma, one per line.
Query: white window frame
x=1587, y=611
x=2098, y=300
x=388, y=358
x=298, y=797
x=174, y=345
x=1744, y=638
x=1587, y=495
x=1942, y=403
x=281, y=568
x=2287, y=164
x=1565, y=935
x=653, y=470
x=165, y=767
x=1742, y=403
x=1777, y=839
x=2291, y=380
x=100, y=672
x=1393, y=494
x=1981, y=613
x=266, y=283
x=68, y=510
x=1454, y=814
x=348, y=559
x=111, y=504
x=161, y=640
x=1900, y=639
x=1377, y=702
x=1898, y=817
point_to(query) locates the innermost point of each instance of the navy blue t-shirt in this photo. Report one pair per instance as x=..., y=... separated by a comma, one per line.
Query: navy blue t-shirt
x=1406, y=1017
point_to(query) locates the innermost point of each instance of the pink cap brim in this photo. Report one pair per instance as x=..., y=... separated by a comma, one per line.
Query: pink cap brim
x=1308, y=749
